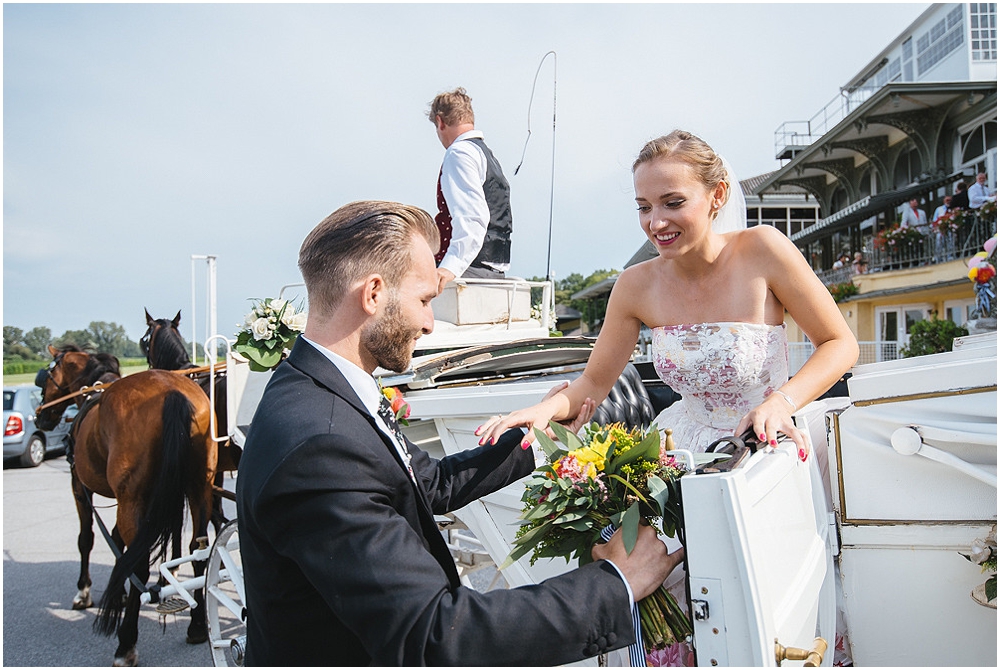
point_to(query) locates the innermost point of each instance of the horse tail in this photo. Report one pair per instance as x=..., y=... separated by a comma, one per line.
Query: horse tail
x=164, y=513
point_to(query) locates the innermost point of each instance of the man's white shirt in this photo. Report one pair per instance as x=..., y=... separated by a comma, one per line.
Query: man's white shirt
x=463, y=172
x=978, y=195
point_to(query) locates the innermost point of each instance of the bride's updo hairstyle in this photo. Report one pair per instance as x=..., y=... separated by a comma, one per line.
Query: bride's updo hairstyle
x=694, y=151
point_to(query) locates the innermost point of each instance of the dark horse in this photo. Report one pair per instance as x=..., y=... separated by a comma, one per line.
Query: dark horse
x=144, y=441
x=164, y=349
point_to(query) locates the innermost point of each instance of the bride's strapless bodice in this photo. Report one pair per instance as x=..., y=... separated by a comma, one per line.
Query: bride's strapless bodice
x=721, y=370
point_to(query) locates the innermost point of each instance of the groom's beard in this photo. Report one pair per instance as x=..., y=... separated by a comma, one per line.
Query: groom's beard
x=388, y=340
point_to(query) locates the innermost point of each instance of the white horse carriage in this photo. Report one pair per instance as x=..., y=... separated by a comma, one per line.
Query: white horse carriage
x=863, y=544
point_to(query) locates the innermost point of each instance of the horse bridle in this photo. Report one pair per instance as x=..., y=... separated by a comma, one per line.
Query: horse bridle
x=45, y=375
x=146, y=341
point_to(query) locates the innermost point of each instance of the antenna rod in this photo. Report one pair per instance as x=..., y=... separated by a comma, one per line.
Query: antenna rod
x=552, y=183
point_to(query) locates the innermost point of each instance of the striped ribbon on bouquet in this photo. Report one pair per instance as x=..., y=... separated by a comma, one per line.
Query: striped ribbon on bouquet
x=636, y=650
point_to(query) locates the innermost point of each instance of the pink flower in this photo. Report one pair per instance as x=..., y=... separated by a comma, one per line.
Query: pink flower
x=677, y=655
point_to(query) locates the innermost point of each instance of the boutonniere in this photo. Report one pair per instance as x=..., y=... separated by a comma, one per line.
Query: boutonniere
x=400, y=408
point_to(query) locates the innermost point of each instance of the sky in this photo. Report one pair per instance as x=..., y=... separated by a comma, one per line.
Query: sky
x=136, y=136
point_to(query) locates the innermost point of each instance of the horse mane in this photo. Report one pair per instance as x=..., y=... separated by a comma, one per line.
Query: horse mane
x=100, y=367
x=171, y=354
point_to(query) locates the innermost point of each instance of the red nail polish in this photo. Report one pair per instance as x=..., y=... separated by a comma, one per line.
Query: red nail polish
x=761, y=436
x=802, y=455
x=774, y=443
x=525, y=445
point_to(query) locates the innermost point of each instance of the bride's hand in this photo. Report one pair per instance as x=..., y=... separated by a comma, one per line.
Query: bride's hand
x=536, y=416
x=771, y=417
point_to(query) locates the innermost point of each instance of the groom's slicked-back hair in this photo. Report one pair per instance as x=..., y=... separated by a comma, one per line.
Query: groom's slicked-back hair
x=357, y=240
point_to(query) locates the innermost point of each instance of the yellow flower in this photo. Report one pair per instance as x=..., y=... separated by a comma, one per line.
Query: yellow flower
x=595, y=454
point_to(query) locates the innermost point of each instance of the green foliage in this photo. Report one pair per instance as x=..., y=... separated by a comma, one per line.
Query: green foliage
x=932, y=337
x=100, y=336
x=841, y=292
x=22, y=367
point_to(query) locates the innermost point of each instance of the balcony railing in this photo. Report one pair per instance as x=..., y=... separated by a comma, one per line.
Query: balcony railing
x=929, y=250
x=801, y=134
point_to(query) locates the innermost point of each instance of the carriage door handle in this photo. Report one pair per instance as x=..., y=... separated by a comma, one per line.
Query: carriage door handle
x=909, y=441
x=813, y=657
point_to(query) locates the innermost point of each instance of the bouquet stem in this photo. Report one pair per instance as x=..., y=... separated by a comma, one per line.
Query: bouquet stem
x=663, y=621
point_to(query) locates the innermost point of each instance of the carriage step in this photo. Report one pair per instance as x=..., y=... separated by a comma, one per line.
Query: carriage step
x=172, y=605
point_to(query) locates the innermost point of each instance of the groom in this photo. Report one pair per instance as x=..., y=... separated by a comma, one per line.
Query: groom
x=343, y=563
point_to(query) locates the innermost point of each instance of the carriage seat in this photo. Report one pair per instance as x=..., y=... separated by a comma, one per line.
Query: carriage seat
x=627, y=403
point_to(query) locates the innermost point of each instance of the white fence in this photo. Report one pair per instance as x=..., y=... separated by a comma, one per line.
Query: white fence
x=871, y=352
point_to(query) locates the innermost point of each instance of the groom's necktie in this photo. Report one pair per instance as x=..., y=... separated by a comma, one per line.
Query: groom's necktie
x=385, y=411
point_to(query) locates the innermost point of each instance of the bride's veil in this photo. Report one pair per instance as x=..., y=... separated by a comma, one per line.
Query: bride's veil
x=733, y=215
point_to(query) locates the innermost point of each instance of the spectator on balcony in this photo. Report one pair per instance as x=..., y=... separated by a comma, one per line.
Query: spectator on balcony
x=858, y=265
x=979, y=193
x=913, y=216
x=841, y=261
x=942, y=208
x=942, y=239
x=961, y=199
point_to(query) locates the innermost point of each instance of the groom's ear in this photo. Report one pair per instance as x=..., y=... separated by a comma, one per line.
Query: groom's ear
x=373, y=293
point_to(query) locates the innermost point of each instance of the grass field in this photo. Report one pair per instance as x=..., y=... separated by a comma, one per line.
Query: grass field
x=29, y=378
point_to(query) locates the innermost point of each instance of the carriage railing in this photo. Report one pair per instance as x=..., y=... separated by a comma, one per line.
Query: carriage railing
x=211, y=354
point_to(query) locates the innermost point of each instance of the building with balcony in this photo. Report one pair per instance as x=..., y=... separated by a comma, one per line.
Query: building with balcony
x=915, y=121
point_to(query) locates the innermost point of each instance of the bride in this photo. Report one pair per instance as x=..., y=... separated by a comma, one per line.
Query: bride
x=715, y=297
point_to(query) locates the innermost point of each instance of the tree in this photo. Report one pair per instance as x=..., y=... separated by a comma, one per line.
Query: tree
x=79, y=338
x=13, y=345
x=38, y=339
x=932, y=337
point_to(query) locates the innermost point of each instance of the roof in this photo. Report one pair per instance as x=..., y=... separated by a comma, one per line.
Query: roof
x=595, y=290
x=869, y=206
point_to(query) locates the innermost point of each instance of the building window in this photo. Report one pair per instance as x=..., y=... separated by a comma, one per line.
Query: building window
x=907, y=169
x=894, y=322
x=983, y=30
x=978, y=141
x=959, y=311
x=944, y=37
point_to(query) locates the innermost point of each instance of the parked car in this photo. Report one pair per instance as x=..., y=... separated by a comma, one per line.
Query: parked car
x=21, y=438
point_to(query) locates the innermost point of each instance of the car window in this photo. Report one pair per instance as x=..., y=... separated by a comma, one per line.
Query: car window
x=8, y=400
x=36, y=398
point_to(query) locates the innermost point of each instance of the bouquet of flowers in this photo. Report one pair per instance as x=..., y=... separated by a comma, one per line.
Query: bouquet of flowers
x=613, y=476
x=984, y=552
x=983, y=275
x=268, y=331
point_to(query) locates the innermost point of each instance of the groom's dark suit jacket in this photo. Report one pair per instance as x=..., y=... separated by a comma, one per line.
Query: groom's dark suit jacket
x=344, y=564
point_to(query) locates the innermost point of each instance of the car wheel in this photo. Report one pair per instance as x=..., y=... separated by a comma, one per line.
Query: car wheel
x=34, y=453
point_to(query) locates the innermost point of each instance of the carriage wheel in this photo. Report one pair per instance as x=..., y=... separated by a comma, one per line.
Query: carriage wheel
x=225, y=598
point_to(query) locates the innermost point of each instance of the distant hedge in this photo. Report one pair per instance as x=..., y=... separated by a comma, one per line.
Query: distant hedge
x=30, y=367
x=23, y=367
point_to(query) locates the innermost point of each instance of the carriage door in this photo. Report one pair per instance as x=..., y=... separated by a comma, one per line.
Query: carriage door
x=893, y=332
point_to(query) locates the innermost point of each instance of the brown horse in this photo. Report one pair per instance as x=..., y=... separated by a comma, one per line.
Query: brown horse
x=145, y=441
x=164, y=349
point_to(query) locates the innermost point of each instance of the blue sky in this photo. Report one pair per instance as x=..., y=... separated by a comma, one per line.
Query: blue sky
x=138, y=135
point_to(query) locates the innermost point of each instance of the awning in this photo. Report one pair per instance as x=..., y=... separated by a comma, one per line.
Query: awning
x=868, y=207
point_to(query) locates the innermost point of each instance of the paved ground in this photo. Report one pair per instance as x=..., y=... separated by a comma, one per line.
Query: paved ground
x=40, y=568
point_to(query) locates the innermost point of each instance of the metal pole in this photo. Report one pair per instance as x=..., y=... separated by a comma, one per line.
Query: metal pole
x=194, y=332
x=552, y=179
x=213, y=326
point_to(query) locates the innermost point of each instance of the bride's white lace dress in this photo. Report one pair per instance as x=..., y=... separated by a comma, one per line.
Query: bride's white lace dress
x=721, y=370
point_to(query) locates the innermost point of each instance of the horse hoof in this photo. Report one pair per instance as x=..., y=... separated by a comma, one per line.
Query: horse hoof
x=82, y=604
x=197, y=638
x=129, y=660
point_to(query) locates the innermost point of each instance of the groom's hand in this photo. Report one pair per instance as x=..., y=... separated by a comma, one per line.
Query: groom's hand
x=646, y=567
